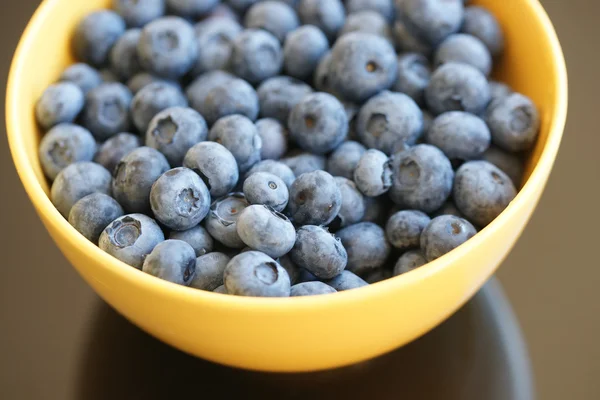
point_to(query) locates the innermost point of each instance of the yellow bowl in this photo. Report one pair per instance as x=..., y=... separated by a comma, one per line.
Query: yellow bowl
x=296, y=334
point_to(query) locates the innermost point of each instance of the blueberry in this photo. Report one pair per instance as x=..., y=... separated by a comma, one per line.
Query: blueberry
x=214, y=37
x=353, y=203
x=345, y=281
x=240, y=6
x=409, y=40
x=143, y=79
x=83, y=76
x=131, y=238
x=64, y=145
x=114, y=149
x=152, y=99
x=273, y=16
x=389, y=121
x=463, y=48
x=191, y=8
x=167, y=47
x=108, y=76
x=138, y=13
x=266, y=230
x=322, y=74
x=255, y=274
x=123, y=55
x=256, y=56
x=134, y=176
x=373, y=173
x=77, y=181
x=457, y=87
x=179, y=199
x=304, y=162
x=362, y=65
x=197, y=237
x=173, y=261
x=409, y=261
x=482, y=24
x=276, y=168
x=319, y=252
x=311, y=289
x=482, y=191
x=215, y=165
x=278, y=95
x=294, y=272
x=174, y=131
x=431, y=20
x=221, y=289
x=383, y=7
x=343, y=160
x=422, y=178
x=459, y=135
x=268, y=189
x=414, y=74
x=498, y=91
x=403, y=229
x=106, y=111
x=224, y=11
x=448, y=208
x=366, y=245
x=222, y=220
x=302, y=51
x=93, y=213
x=239, y=135
x=427, y=122
x=315, y=199
x=95, y=35
x=367, y=22
x=376, y=209
x=378, y=275
x=274, y=138
x=234, y=97
x=444, y=234
x=514, y=122
x=329, y=16
x=210, y=269
x=197, y=91
x=61, y=102
x=318, y=123
x=509, y=163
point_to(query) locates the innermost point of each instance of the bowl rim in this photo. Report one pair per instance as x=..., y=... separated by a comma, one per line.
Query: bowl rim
x=134, y=276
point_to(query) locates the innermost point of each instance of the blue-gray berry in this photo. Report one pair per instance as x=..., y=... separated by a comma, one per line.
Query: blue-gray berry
x=482, y=24
x=373, y=174
x=278, y=95
x=362, y=65
x=321, y=79
x=343, y=160
x=294, y=271
x=167, y=47
x=414, y=74
x=210, y=269
x=329, y=16
x=191, y=9
x=389, y=122
x=131, y=238
x=408, y=39
x=134, y=176
x=174, y=131
x=95, y=35
x=302, y=51
x=384, y=7
x=482, y=191
x=444, y=234
x=466, y=49
x=240, y=6
x=353, y=203
x=409, y=261
x=345, y=281
x=511, y=164
x=151, y=100
x=367, y=21
x=315, y=199
x=111, y=152
x=311, y=289
x=457, y=87
x=82, y=75
x=143, y=79
x=222, y=220
x=432, y=20
x=215, y=165
x=255, y=274
x=403, y=229
x=319, y=252
x=514, y=122
x=256, y=55
x=64, y=145
x=221, y=289
x=180, y=199
x=240, y=136
x=274, y=137
x=273, y=16
x=108, y=76
x=234, y=97
x=93, y=213
x=214, y=37
x=123, y=55
x=197, y=237
x=459, y=135
x=173, y=261
x=366, y=245
x=106, y=111
x=197, y=91
x=305, y=162
x=60, y=103
x=276, y=168
x=267, y=189
x=139, y=12
x=448, y=208
x=423, y=178
x=77, y=181
x=377, y=209
x=266, y=230
x=378, y=275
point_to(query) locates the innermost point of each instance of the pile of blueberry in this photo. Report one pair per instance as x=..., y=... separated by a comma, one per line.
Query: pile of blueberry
x=277, y=148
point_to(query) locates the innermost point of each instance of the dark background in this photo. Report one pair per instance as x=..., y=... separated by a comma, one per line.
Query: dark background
x=48, y=316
